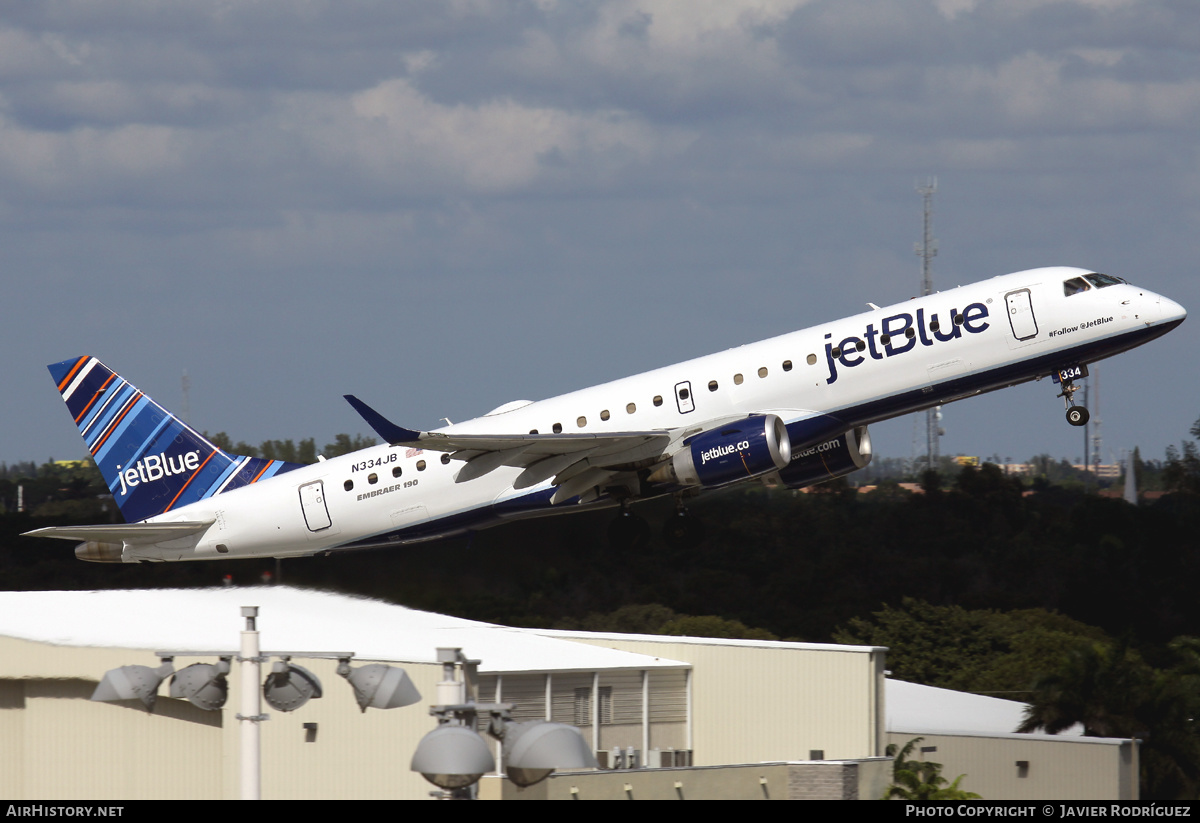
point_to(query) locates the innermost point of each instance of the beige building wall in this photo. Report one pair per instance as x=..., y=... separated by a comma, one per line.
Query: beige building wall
x=754, y=703
x=1080, y=768
x=60, y=745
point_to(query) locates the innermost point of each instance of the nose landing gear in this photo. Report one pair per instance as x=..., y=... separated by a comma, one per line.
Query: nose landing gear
x=1076, y=415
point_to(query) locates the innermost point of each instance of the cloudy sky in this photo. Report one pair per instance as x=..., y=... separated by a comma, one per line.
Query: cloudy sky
x=444, y=206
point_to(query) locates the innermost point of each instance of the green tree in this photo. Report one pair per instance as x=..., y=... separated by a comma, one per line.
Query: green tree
x=1112, y=692
x=345, y=444
x=921, y=779
x=975, y=650
x=1098, y=685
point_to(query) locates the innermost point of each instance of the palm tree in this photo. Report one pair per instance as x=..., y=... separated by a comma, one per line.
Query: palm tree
x=1098, y=686
x=921, y=779
x=1111, y=692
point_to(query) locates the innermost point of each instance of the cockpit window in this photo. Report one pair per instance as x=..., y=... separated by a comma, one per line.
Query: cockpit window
x=1074, y=286
x=1101, y=281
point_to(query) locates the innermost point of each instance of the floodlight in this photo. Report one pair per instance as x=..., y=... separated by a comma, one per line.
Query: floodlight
x=452, y=757
x=202, y=684
x=133, y=682
x=288, y=686
x=378, y=686
x=533, y=750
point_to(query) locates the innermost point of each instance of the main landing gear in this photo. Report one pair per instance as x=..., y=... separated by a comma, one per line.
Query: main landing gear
x=629, y=531
x=1076, y=415
x=682, y=530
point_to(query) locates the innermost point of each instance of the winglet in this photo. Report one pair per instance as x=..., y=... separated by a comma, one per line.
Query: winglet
x=383, y=427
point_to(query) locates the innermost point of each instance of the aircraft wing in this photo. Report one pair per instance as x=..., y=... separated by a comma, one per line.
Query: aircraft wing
x=123, y=532
x=575, y=461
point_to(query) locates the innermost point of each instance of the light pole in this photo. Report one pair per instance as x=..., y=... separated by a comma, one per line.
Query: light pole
x=287, y=688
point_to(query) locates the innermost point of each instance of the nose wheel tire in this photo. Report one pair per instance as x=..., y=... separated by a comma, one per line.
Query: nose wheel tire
x=1077, y=416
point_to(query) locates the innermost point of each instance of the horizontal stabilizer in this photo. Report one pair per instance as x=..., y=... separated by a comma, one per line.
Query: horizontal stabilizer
x=123, y=532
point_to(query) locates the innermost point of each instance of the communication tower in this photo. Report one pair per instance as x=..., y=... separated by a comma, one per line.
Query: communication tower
x=927, y=250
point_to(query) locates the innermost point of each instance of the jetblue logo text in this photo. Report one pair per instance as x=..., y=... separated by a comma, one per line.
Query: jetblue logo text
x=721, y=451
x=156, y=467
x=817, y=449
x=901, y=333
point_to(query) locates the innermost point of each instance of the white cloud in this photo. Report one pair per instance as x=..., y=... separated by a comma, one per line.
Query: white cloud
x=62, y=163
x=499, y=144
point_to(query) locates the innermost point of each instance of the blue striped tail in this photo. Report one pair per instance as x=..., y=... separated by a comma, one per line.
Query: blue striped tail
x=151, y=460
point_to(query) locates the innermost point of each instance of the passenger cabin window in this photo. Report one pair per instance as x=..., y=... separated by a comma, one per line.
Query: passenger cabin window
x=604, y=415
x=762, y=372
x=631, y=408
x=581, y=421
x=557, y=428
x=420, y=465
x=445, y=459
x=372, y=478
x=396, y=472
x=712, y=385
x=1074, y=286
x=737, y=380
x=348, y=485
x=658, y=399
x=811, y=359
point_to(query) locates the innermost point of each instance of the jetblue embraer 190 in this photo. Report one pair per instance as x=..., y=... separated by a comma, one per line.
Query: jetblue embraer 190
x=790, y=411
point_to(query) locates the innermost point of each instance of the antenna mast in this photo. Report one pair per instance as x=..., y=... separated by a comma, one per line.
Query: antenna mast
x=927, y=250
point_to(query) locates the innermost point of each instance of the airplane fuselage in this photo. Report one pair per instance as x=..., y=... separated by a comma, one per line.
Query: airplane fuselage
x=823, y=382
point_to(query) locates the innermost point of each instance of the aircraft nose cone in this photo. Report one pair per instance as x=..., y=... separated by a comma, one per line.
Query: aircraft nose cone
x=1172, y=312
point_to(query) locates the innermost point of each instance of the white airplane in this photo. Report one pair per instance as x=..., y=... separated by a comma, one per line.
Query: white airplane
x=790, y=411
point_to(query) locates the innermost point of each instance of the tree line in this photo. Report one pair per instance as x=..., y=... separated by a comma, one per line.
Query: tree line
x=1083, y=606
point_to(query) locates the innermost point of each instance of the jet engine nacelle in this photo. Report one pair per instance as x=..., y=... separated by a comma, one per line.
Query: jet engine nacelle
x=832, y=458
x=746, y=448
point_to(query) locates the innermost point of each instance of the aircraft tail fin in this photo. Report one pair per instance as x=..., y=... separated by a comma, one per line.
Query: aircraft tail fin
x=151, y=460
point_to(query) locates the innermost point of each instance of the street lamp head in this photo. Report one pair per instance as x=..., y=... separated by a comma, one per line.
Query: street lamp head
x=378, y=686
x=133, y=683
x=202, y=684
x=288, y=686
x=535, y=749
x=452, y=757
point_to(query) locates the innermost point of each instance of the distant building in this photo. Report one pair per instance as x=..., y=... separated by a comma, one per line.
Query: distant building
x=697, y=717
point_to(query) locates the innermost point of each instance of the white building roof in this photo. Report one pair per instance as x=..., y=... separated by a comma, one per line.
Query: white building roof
x=917, y=709
x=704, y=641
x=291, y=619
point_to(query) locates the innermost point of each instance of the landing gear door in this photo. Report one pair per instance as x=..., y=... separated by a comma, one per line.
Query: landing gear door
x=1020, y=315
x=683, y=397
x=312, y=503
